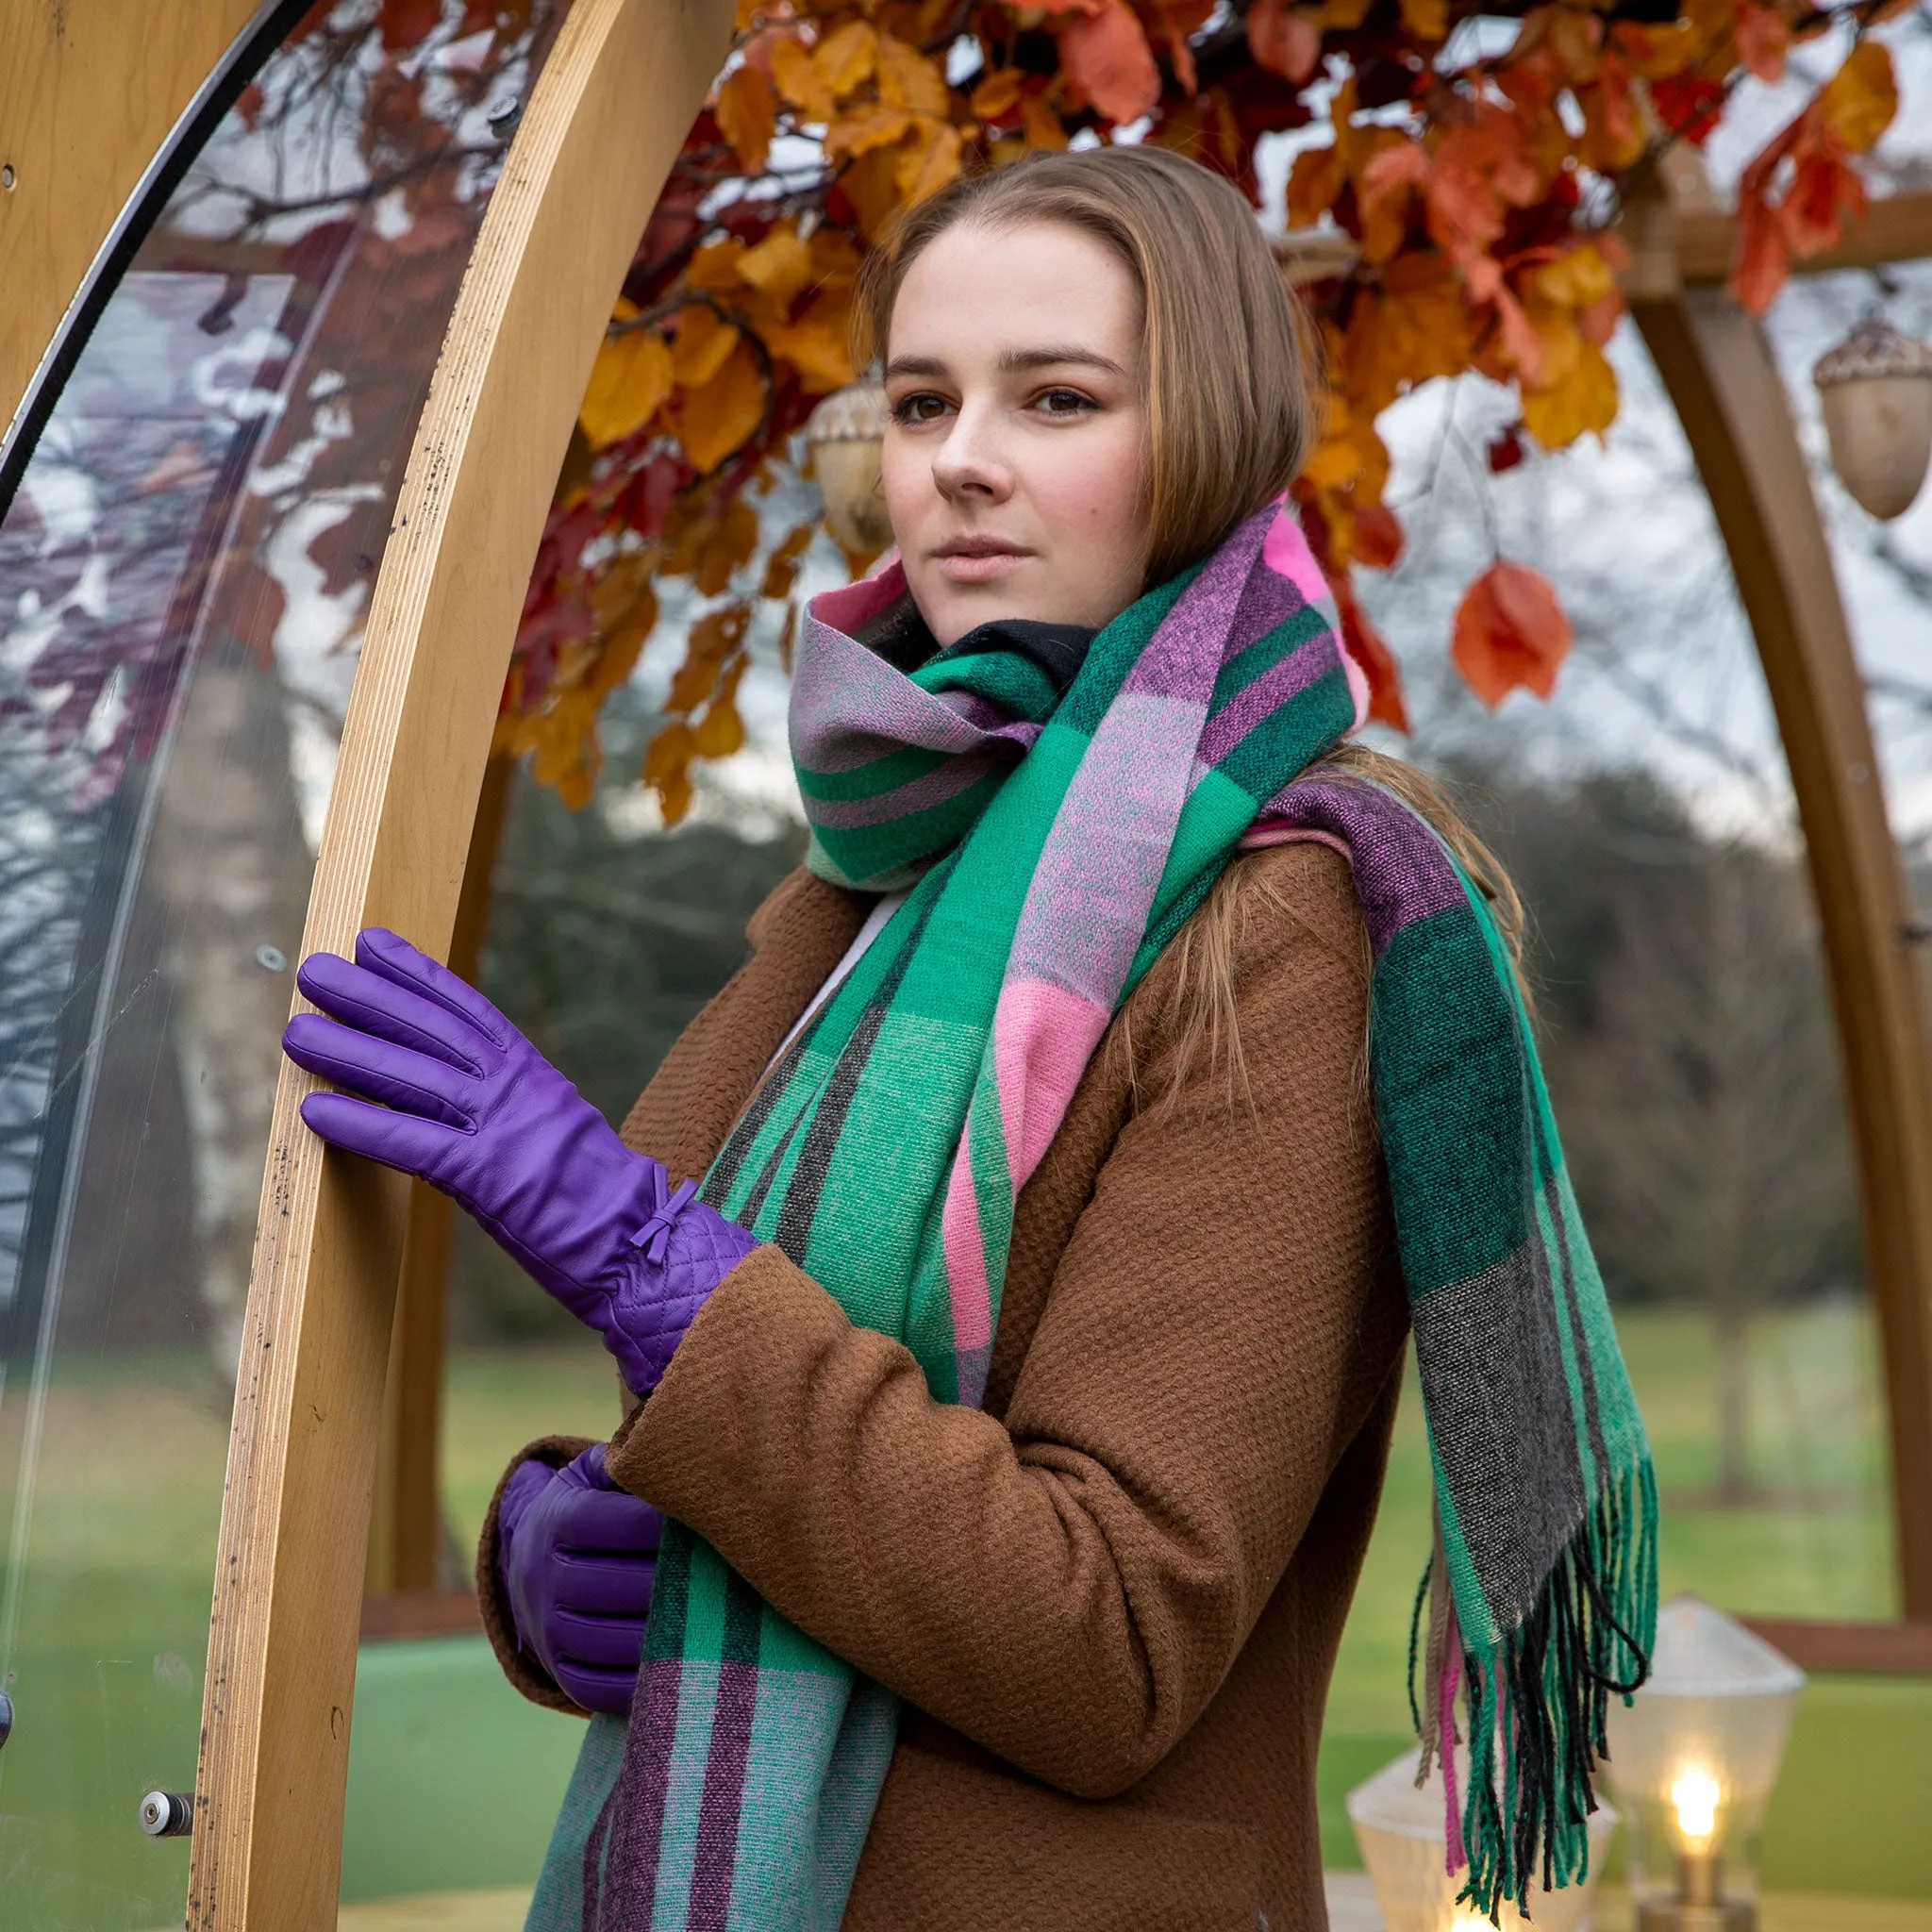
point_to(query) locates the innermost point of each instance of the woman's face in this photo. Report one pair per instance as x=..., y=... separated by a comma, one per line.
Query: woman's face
x=1016, y=439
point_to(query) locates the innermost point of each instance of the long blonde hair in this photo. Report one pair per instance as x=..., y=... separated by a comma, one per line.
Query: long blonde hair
x=1232, y=415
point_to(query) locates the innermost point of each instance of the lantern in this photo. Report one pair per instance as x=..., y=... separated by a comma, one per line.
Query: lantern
x=1876, y=391
x=846, y=436
x=1399, y=1827
x=1692, y=1758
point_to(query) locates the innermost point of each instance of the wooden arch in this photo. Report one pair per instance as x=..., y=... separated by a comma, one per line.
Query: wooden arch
x=607, y=118
x=1718, y=369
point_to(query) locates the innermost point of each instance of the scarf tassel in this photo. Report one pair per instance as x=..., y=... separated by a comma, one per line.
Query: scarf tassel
x=1536, y=1701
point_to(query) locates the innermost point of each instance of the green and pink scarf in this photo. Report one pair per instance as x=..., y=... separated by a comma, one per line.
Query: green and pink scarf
x=1055, y=836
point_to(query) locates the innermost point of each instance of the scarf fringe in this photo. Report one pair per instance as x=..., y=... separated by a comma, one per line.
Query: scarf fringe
x=1536, y=1701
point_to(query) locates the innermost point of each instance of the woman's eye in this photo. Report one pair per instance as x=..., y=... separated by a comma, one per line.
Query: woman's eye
x=1064, y=402
x=920, y=408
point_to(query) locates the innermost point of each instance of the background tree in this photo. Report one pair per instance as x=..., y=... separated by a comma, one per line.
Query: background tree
x=1478, y=173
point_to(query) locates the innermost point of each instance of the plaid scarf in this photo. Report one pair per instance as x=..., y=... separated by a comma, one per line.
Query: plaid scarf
x=1055, y=836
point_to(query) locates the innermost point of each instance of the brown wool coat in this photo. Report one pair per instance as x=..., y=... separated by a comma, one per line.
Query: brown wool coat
x=1111, y=1599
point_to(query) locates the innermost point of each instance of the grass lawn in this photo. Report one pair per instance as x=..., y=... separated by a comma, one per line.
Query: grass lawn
x=1818, y=1544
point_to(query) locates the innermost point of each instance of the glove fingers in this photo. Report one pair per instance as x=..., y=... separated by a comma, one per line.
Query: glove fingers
x=373, y=1004
x=391, y=955
x=603, y=1586
x=410, y=1082
x=397, y=1139
x=594, y=1521
x=609, y=1692
x=604, y=1643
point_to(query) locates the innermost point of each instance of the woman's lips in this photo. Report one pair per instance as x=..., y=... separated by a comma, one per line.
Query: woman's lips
x=978, y=566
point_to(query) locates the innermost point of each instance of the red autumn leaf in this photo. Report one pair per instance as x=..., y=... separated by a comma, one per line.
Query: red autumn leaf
x=1370, y=649
x=1689, y=105
x=1824, y=194
x=1762, y=38
x=1377, y=537
x=1511, y=631
x=1286, y=40
x=1106, y=56
x=1505, y=451
x=405, y=23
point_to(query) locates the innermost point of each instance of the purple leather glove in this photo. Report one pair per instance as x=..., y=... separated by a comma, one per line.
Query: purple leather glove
x=577, y=1555
x=474, y=1109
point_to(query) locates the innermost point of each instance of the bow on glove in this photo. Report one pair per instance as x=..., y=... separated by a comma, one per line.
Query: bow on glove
x=577, y=1556
x=469, y=1105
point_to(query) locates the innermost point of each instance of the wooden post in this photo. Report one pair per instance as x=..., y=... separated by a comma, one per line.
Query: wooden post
x=1719, y=369
x=406, y=1518
x=604, y=124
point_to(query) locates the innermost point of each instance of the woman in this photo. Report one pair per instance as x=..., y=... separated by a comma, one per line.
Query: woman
x=1017, y=1389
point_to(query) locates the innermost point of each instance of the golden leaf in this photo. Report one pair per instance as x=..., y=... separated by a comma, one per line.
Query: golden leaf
x=1313, y=183
x=1040, y=125
x=1427, y=20
x=1579, y=278
x=626, y=644
x=818, y=344
x=714, y=267
x=780, y=266
x=713, y=638
x=872, y=186
x=1857, y=103
x=845, y=59
x=721, y=732
x=926, y=165
x=629, y=381
x=733, y=537
x=1343, y=16
x=870, y=126
x=908, y=79
x=714, y=421
x=667, y=768
x=746, y=111
x=703, y=344
x=1585, y=399
x=998, y=93
x=799, y=80
x=781, y=567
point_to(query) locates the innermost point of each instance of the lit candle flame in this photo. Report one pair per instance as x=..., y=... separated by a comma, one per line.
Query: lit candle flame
x=1696, y=1795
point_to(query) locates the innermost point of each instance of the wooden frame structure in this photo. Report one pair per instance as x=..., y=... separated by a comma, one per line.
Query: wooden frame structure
x=594, y=145
x=408, y=844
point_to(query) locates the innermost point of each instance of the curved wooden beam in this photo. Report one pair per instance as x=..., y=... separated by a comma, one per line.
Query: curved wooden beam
x=1719, y=369
x=604, y=122
x=88, y=96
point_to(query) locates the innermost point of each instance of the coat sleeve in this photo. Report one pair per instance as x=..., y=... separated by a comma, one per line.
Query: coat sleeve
x=1068, y=1586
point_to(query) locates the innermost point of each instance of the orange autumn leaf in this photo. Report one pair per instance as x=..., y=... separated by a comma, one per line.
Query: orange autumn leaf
x=667, y=768
x=747, y=109
x=1857, y=103
x=998, y=94
x=1763, y=36
x=1825, y=194
x=1370, y=650
x=702, y=344
x=1510, y=632
x=818, y=344
x=1377, y=537
x=799, y=79
x=868, y=128
x=629, y=382
x=845, y=59
x=1427, y=20
x=908, y=79
x=1106, y=56
x=714, y=421
x=780, y=266
x=1040, y=125
x=1584, y=398
x=721, y=731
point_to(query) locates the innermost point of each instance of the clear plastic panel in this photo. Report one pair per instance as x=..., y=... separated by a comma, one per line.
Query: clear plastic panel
x=1646, y=814
x=183, y=580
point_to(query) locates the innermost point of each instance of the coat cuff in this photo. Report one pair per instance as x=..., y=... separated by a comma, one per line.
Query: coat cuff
x=499, y=1623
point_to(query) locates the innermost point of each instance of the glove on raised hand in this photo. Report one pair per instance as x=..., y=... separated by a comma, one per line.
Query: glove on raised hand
x=577, y=1556
x=471, y=1107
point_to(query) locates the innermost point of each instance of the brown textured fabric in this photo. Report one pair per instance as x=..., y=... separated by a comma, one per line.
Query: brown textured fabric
x=1112, y=1598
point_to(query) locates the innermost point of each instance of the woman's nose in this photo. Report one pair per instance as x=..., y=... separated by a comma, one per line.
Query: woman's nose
x=970, y=462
